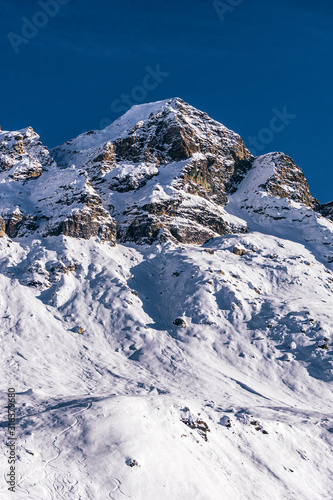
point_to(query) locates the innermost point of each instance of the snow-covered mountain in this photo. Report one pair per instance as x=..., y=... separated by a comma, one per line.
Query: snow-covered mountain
x=166, y=315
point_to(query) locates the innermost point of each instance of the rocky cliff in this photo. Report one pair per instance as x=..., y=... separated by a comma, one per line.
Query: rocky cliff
x=326, y=210
x=38, y=197
x=162, y=171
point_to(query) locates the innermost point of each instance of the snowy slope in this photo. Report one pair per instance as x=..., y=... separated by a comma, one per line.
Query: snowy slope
x=233, y=403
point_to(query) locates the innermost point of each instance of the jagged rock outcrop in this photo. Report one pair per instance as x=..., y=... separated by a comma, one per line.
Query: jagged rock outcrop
x=87, y=224
x=13, y=222
x=162, y=171
x=74, y=208
x=326, y=210
x=177, y=219
x=2, y=227
x=272, y=187
x=56, y=202
x=174, y=151
x=22, y=155
x=288, y=180
x=275, y=195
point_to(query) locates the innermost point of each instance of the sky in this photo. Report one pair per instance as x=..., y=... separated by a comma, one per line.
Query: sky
x=262, y=68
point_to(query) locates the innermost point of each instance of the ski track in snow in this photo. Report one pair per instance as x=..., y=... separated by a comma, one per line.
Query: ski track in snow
x=234, y=388
x=48, y=463
x=117, y=488
x=58, y=482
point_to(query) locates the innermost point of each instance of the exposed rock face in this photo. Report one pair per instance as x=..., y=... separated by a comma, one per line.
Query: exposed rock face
x=56, y=202
x=18, y=224
x=213, y=178
x=173, y=150
x=273, y=188
x=22, y=154
x=102, y=160
x=172, y=132
x=162, y=171
x=174, y=219
x=80, y=212
x=13, y=222
x=178, y=131
x=288, y=180
x=239, y=250
x=326, y=210
x=2, y=227
x=86, y=224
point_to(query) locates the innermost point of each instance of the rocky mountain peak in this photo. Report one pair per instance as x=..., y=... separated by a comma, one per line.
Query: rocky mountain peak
x=163, y=170
x=169, y=156
x=22, y=154
x=326, y=210
x=284, y=178
x=158, y=133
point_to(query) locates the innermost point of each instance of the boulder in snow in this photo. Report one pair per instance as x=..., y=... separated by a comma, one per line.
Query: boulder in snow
x=179, y=322
x=238, y=250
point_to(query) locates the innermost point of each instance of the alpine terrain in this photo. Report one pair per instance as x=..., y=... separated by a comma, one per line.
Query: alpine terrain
x=166, y=316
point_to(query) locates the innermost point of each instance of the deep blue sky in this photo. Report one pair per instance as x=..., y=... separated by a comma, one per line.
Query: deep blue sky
x=263, y=55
